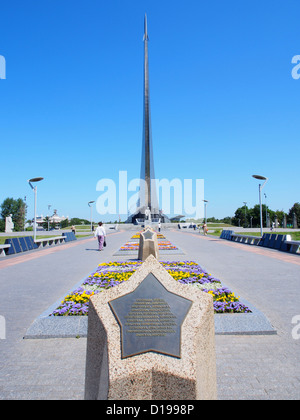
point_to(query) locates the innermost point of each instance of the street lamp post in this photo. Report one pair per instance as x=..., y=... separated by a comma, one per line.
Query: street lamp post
x=205, y=203
x=24, y=212
x=260, y=187
x=245, y=202
x=90, y=205
x=266, y=209
x=49, y=206
x=35, y=190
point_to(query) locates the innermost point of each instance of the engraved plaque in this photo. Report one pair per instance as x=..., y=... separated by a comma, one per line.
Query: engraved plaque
x=150, y=318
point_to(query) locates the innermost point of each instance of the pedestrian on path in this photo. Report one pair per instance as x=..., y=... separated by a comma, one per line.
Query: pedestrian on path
x=101, y=235
x=204, y=227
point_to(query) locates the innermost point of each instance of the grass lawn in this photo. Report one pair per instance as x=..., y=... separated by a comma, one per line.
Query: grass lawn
x=217, y=225
x=79, y=228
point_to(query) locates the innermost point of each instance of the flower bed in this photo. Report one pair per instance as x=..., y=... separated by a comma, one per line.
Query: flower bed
x=137, y=236
x=134, y=246
x=111, y=274
x=130, y=246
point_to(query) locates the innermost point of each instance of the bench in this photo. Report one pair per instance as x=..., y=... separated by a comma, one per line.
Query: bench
x=280, y=242
x=26, y=243
x=49, y=241
x=245, y=239
x=292, y=246
x=268, y=240
x=115, y=227
x=15, y=246
x=226, y=234
x=69, y=236
x=3, y=249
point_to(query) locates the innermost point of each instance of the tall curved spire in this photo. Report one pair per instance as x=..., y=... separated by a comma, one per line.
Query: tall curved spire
x=148, y=197
x=145, y=29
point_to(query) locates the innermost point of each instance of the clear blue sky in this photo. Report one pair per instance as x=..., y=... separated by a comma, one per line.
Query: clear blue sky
x=224, y=104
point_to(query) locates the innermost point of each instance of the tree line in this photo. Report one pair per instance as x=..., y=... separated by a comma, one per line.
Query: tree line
x=250, y=217
x=244, y=216
x=18, y=209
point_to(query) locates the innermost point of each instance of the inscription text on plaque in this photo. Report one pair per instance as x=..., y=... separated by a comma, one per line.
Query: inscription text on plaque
x=150, y=318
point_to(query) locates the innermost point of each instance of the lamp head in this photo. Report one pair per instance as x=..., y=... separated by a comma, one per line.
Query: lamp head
x=35, y=179
x=263, y=178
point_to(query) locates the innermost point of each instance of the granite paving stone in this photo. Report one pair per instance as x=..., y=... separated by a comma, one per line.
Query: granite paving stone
x=248, y=366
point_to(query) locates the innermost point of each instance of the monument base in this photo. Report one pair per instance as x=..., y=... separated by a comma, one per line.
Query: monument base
x=139, y=218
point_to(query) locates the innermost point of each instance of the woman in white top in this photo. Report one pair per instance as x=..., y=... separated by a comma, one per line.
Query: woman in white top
x=100, y=234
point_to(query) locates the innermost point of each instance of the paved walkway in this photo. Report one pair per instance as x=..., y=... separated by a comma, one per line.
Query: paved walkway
x=248, y=367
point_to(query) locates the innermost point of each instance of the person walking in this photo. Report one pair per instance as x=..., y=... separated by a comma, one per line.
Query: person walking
x=73, y=229
x=101, y=235
x=204, y=227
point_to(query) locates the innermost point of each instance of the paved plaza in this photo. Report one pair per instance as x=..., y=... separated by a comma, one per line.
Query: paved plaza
x=248, y=366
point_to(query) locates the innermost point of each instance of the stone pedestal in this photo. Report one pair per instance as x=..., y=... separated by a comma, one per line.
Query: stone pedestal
x=284, y=222
x=187, y=373
x=295, y=224
x=148, y=244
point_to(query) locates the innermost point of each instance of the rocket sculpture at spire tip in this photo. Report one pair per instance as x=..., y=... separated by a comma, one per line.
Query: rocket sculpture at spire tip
x=145, y=29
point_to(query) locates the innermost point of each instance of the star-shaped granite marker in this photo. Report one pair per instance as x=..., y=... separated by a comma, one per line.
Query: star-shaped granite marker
x=150, y=318
x=148, y=234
